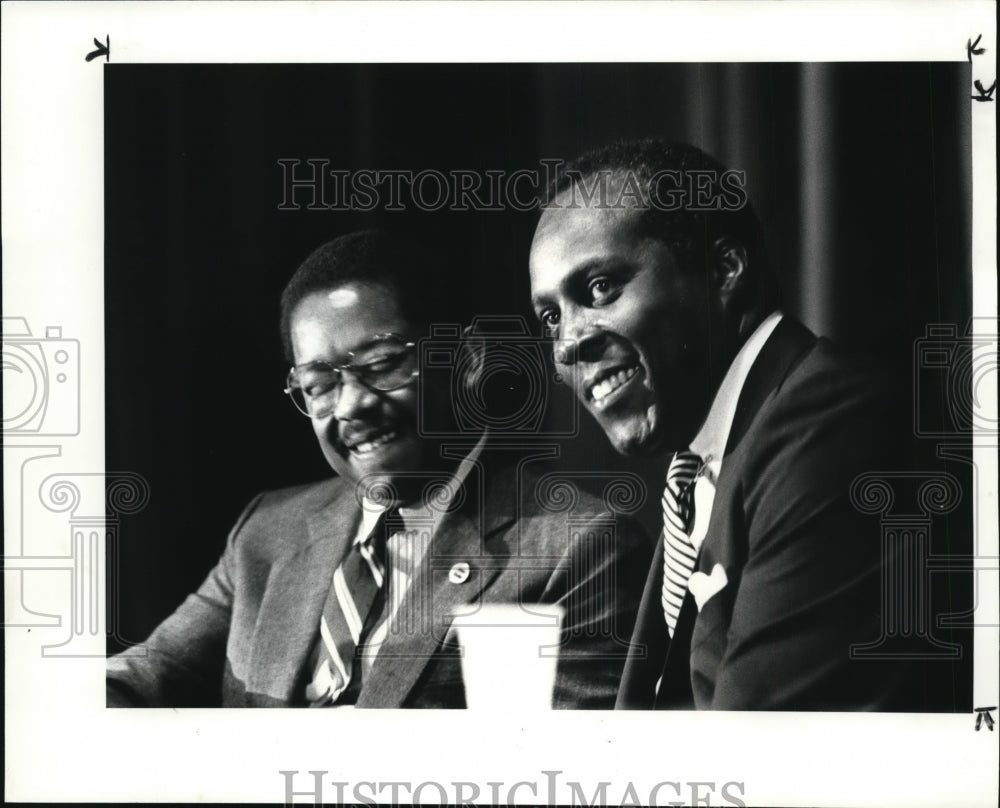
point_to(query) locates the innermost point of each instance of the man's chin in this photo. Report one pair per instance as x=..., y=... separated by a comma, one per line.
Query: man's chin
x=638, y=434
x=631, y=436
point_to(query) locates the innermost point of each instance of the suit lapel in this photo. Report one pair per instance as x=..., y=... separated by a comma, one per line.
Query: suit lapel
x=788, y=343
x=470, y=535
x=293, y=600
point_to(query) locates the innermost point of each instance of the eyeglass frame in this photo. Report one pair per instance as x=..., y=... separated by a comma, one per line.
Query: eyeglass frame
x=347, y=366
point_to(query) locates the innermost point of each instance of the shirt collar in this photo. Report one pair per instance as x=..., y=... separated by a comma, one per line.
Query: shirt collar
x=710, y=442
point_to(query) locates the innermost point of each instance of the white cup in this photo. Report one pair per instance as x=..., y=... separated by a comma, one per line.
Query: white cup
x=509, y=655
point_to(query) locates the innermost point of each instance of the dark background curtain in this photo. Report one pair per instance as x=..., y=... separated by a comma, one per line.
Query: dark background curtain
x=860, y=174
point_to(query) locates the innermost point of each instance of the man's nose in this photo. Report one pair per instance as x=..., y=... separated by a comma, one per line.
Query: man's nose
x=353, y=400
x=583, y=341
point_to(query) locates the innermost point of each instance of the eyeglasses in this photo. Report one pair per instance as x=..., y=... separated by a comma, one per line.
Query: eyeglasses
x=387, y=363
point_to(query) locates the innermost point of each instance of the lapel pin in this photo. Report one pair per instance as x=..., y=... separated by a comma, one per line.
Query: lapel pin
x=459, y=573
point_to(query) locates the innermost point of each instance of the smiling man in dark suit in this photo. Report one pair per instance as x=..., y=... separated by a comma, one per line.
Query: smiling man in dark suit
x=648, y=258
x=343, y=592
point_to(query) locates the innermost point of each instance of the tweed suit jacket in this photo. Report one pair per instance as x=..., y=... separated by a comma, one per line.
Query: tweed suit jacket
x=245, y=638
x=791, y=568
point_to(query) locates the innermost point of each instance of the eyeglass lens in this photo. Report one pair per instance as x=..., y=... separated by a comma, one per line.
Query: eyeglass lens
x=315, y=388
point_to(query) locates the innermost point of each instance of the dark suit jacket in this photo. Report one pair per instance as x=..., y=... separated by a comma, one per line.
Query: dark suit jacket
x=803, y=565
x=244, y=639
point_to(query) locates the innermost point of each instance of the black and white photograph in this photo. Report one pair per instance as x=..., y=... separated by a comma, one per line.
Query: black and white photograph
x=573, y=410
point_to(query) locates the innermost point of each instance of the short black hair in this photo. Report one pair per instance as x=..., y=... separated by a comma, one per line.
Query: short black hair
x=419, y=277
x=690, y=231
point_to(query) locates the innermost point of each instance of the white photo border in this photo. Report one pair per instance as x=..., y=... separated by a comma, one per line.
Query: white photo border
x=63, y=745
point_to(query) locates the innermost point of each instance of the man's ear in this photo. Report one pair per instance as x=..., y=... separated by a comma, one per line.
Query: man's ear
x=731, y=270
x=473, y=357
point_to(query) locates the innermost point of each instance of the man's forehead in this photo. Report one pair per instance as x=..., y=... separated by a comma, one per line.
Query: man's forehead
x=588, y=205
x=355, y=292
x=343, y=297
x=566, y=233
x=347, y=316
x=352, y=299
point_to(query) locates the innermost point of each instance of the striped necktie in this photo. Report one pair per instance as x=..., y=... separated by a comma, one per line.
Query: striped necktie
x=679, y=554
x=357, y=583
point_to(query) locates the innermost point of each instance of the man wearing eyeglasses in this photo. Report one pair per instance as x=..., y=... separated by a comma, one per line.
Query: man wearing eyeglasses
x=344, y=592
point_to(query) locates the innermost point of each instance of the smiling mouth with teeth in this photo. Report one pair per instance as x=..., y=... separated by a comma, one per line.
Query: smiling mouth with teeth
x=371, y=444
x=600, y=392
